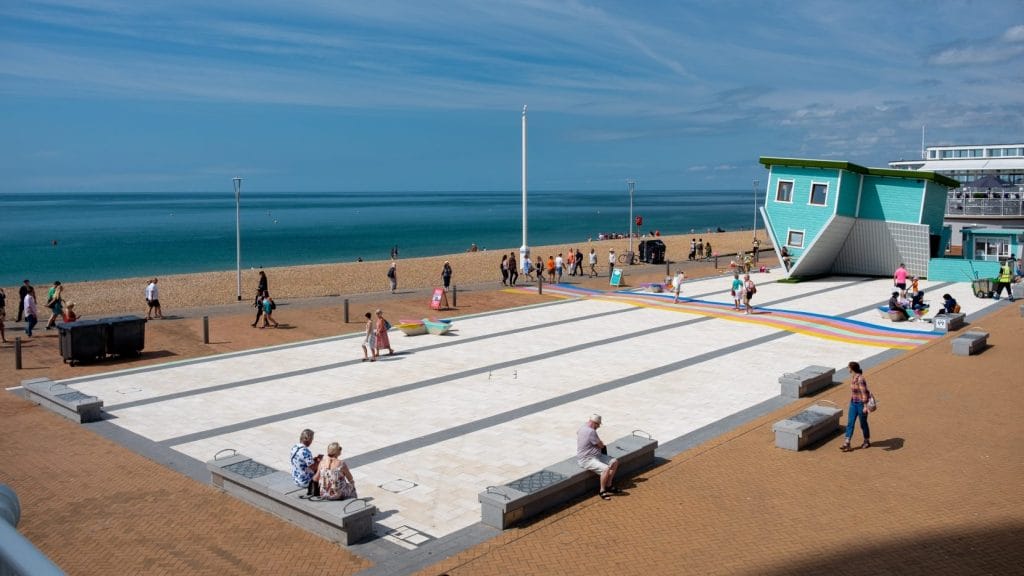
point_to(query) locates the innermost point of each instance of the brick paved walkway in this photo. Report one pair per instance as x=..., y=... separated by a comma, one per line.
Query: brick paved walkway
x=938, y=492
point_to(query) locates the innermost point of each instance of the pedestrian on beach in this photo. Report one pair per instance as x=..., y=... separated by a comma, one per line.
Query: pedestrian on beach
x=736, y=291
x=446, y=275
x=559, y=266
x=370, y=340
x=22, y=292
x=381, y=330
x=707, y=251
x=899, y=279
x=700, y=249
x=153, y=300
x=611, y=262
x=591, y=454
x=258, y=304
x=860, y=398
x=55, y=303
x=393, y=276
x=268, y=311
x=31, y=317
x=749, y=289
x=336, y=482
x=304, y=464
x=504, y=269
x=693, y=249
x=677, y=284
x=3, y=315
x=513, y=269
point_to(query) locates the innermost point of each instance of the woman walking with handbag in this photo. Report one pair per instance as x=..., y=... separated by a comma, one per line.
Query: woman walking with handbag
x=861, y=403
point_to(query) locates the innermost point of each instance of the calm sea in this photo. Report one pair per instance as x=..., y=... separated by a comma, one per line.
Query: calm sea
x=79, y=236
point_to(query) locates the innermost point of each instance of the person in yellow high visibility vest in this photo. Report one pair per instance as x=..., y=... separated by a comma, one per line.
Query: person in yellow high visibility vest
x=1004, y=280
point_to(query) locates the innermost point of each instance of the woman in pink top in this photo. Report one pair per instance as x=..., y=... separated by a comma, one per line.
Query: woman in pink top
x=899, y=278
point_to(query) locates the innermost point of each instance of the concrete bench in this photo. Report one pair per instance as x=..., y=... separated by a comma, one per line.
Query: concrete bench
x=807, y=427
x=970, y=343
x=342, y=521
x=504, y=506
x=805, y=381
x=948, y=322
x=63, y=400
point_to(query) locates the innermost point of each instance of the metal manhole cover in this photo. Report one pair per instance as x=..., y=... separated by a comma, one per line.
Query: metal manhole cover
x=250, y=469
x=398, y=485
x=536, y=481
x=74, y=396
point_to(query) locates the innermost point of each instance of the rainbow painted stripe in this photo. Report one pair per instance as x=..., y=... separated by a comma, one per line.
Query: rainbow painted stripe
x=808, y=323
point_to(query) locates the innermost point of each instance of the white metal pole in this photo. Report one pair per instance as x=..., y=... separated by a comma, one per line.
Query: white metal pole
x=238, y=234
x=755, y=208
x=631, y=184
x=524, y=250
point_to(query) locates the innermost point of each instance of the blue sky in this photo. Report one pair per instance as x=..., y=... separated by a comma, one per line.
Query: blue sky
x=105, y=95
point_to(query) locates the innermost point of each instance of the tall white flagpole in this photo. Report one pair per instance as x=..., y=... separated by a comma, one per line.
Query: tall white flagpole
x=524, y=250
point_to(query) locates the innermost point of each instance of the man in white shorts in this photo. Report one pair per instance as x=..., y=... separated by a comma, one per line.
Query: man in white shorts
x=589, y=456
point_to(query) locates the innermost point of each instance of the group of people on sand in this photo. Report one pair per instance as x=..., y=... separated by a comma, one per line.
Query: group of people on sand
x=28, y=308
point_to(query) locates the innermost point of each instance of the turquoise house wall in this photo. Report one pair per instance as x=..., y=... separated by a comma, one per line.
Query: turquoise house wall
x=960, y=270
x=847, y=201
x=891, y=199
x=799, y=214
x=934, y=208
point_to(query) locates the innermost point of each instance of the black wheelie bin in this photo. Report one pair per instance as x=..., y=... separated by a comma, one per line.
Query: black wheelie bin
x=82, y=341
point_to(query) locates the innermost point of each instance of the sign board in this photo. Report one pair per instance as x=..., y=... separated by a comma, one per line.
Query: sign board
x=940, y=324
x=439, y=300
x=616, y=277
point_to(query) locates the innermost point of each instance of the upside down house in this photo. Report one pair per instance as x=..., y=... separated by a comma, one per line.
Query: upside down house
x=842, y=218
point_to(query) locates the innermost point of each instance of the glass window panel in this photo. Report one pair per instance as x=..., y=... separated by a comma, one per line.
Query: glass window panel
x=784, y=193
x=819, y=193
x=795, y=239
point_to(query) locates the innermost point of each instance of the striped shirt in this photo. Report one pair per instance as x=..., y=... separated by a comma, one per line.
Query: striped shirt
x=859, y=389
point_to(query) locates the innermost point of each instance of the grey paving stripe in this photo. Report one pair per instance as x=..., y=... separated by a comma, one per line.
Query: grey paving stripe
x=264, y=420
x=304, y=371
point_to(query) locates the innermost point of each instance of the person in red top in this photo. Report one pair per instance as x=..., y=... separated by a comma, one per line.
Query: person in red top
x=858, y=407
x=899, y=278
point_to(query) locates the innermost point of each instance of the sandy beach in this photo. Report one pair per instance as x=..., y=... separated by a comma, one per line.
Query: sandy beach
x=184, y=291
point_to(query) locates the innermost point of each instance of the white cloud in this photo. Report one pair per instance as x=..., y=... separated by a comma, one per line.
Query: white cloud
x=1014, y=34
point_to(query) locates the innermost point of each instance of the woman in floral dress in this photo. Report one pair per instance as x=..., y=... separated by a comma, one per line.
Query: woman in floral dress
x=382, y=335
x=336, y=482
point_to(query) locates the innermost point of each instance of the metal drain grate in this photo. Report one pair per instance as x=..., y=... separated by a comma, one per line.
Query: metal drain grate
x=536, y=481
x=74, y=395
x=250, y=469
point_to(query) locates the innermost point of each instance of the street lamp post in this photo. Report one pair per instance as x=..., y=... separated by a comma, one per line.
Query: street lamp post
x=755, y=208
x=631, y=185
x=238, y=234
x=524, y=250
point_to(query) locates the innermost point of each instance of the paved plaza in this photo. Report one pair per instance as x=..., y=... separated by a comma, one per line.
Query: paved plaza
x=500, y=397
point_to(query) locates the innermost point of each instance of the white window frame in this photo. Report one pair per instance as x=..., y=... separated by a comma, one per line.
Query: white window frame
x=789, y=237
x=792, y=188
x=1001, y=243
x=810, y=196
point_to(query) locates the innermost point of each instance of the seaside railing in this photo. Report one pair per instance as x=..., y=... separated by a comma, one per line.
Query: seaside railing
x=973, y=203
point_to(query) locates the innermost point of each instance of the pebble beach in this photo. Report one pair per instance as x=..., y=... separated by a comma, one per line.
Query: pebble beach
x=185, y=291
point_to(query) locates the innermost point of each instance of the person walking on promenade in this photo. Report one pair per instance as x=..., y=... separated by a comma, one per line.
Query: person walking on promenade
x=590, y=455
x=578, y=270
x=1004, y=280
x=551, y=269
x=22, y=292
x=304, y=464
x=707, y=251
x=54, y=303
x=540, y=269
x=570, y=261
x=736, y=291
x=611, y=262
x=393, y=276
x=504, y=269
x=859, y=407
x=262, y=286
x=559, y=266
x=31, y=317
x=593, y=263
x=757, y=249
x=370, y=340
x=3, y=315
x=336, y=482
x=749, y=289
x=258, y=304
x=513, y=269
x=700, y=249
x=381, y=330
x=677, y=284
x=693, y=249
x=153, y=300
x=268, y=311
x=899, y=279
x=446, y=275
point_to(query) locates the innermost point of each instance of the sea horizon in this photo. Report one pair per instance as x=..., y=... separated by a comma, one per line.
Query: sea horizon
x=84, y=236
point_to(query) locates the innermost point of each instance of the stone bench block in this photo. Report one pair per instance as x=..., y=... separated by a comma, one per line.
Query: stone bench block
x=1017, y=290
x=948, y=322
x=806, y=381
x=504, y=506
x=970, y=343
x=807, y=427
x=63, y=400
x=343, y=521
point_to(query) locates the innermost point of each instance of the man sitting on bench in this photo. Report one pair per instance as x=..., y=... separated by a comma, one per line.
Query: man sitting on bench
x=591, y=454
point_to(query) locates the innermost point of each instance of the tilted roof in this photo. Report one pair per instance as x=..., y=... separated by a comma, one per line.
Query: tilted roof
x=851, y=167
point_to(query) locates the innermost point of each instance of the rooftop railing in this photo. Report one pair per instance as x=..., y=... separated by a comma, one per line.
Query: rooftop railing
x=969, y=201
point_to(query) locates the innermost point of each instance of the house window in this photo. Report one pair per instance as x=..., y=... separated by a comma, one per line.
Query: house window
x=819, y=194
x=991, y=248
x=795, y=239
x=784, y=193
